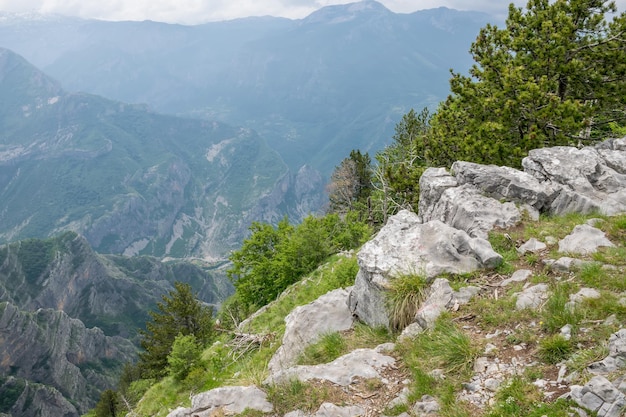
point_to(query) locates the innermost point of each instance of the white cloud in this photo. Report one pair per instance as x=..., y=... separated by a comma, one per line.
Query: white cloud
x=197, y=11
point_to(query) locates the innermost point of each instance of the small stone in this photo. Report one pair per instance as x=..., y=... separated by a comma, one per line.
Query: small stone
x=518, y=276
x=532, y=246
x=492, y=384
x=611, y=320
x=540, y=383
x=471, y=386
x=566, y=331
x=518, y=348
x=551, y=240
x=427, y=405
x=480, y=364
x=489, y=348
x=584, y=240
x=437, y=374
x=562, y=372
x=492, y=335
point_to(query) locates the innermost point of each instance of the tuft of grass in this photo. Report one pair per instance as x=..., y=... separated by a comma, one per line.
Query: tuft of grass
x=445, y=347
x=554, y=314
x=593, y=275
x=298, y=395
x=328, y=348
x=404, y=298
x=520, y=398
x=555, y=348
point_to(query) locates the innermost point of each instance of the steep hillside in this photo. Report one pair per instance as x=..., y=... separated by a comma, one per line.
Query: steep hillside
x=314, y=88
x=508, y=301
x=129, y=180
x=69, y=317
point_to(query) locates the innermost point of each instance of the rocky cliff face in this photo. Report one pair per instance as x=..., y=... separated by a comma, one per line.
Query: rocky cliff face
x=49, y=347
x=68, y=315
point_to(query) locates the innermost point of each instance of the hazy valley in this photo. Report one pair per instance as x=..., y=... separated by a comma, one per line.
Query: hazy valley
x=121, y=139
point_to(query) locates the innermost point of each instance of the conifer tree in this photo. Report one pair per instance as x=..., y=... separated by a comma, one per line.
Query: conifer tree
x=179, y=313
x=555, y=75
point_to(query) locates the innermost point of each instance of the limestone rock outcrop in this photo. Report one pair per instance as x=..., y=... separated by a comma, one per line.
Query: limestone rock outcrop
x=360, y=363
x=557, y=180
x=306, y=324
x=226, y=401
x=407, y=246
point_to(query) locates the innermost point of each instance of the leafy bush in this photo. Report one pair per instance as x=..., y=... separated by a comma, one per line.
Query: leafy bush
x=185, y=356
x=273, y=258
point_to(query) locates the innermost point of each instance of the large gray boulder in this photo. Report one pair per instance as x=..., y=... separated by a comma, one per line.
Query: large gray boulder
x=433, y=182
x=466, y=208
x=584, y=240
x=343, y=371
x=477, y=198
x=600, y=396
x=505, y=183
x=406, y=246
x=590, y=179
x=227, y=400
x=306, y=324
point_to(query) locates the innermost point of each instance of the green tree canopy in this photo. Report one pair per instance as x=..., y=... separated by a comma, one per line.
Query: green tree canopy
x=555, y=75
x=185, y=356
x=179, y=313
x=273, y=258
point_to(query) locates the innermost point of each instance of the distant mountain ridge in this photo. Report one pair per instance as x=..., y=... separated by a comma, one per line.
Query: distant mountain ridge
x=69, y=317
x=130, y=180
x=314, y=88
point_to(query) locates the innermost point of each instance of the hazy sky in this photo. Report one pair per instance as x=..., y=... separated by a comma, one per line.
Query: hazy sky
x=198, y=11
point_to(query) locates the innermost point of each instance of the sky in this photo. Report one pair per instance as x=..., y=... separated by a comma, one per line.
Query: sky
x=201, y=11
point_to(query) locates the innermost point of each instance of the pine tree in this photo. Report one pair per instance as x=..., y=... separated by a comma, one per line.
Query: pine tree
x=179, y=313
x=555, y=75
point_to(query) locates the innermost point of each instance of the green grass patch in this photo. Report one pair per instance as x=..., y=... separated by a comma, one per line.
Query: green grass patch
x=444, y=347
x=328, y=348
x=555, y=314
x=297, y=395
x=520, y=398
x=336, y=344
x=555, y=348
x=404, y=298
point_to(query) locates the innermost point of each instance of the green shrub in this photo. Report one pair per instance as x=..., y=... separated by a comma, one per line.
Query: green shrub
x=184, y=357
x=328, y=348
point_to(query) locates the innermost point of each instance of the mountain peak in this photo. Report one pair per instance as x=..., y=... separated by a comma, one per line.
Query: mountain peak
x=346, y=12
